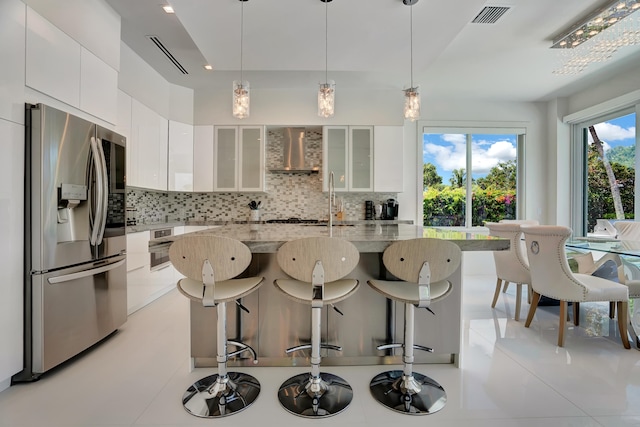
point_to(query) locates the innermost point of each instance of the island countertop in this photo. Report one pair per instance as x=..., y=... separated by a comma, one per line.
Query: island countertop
x=368, y=238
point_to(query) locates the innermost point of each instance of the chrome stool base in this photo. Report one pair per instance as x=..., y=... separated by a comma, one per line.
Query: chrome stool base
x=389, y=389
x=213, y=398
x=335, y=397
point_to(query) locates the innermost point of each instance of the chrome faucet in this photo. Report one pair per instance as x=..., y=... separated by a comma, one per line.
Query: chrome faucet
x=332, y=198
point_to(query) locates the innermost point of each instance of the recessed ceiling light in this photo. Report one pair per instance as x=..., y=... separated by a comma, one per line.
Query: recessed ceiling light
x=168, y=9
x=208, y=67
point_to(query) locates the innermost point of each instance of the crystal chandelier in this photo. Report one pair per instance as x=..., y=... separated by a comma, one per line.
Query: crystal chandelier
x=241, y=88
x=327, y=90
x=598, y=37
x=411, y=95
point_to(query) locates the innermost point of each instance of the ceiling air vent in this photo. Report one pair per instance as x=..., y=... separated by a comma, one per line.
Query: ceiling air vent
x=490, y=14
x=168, y=54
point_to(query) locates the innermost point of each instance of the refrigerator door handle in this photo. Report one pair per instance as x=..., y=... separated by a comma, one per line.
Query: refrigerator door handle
x=85, y=273
x=97, y=164
x=105, y=191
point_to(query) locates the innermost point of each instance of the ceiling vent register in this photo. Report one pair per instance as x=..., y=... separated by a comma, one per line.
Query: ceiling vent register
x=490, y=14
x=167, y=53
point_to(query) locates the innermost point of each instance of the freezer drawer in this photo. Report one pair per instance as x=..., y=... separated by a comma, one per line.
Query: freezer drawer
x=74, y=308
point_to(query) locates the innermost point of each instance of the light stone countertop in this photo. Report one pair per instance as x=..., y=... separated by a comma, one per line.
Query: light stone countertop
x=368, y=238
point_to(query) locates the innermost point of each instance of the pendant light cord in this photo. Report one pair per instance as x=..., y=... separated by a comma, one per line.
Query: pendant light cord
x=411, y=42
x=326, y=42
x=241, y=37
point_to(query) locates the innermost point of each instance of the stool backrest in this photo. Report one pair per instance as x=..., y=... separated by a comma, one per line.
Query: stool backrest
x=228, y=257
x=298, y=257
x=404, y=258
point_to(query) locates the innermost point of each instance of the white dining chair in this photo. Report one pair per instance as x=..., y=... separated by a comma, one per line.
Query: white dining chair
x=552, y=277
x=512, y=265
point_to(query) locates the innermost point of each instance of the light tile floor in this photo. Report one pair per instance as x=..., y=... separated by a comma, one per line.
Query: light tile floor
x=509, y=376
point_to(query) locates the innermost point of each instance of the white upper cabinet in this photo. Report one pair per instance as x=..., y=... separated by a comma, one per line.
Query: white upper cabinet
x=58, y=66
x=180, y=156
x=225, y=151
x=251, y=158
x=239, y=158
x=360, y=158
x=123, y=127
x=388, y=155
x=52, y=60
x=98, y=87
x=348, y=153
x=12, y=52
x=148, y=151
x=203, y=158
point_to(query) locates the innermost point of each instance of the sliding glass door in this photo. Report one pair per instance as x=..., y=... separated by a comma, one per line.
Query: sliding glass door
x=470, y=176
x=607, y=148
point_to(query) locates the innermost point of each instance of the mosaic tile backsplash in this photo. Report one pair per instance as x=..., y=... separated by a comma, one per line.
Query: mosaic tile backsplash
x=287, y=195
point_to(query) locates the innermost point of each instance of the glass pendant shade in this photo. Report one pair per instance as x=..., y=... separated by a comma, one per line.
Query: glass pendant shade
x=412, y=104
x=326, y=99
x=240, y=99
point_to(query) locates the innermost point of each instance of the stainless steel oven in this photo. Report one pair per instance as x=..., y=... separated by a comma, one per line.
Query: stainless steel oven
x=160, y=260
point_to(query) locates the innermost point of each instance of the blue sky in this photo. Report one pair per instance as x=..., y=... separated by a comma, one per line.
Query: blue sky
x=448, y=151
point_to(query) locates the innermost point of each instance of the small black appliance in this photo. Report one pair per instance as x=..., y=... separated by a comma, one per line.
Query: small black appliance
x=390, y=209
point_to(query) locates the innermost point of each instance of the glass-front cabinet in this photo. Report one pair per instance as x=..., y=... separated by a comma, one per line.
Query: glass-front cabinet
x=348, y=153
x=239, y=158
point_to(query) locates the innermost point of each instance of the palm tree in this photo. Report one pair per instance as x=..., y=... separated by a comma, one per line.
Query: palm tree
x=615, y=190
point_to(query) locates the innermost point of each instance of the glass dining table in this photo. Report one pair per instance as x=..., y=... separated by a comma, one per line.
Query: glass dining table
x=629, y=254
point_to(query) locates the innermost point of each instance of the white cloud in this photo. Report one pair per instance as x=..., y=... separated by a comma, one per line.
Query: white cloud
x=609, y=132
x=485, y=154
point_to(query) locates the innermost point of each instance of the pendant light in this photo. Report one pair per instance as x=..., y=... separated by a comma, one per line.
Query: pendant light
x=411, y=95
x=240, y=87
x=327, y=91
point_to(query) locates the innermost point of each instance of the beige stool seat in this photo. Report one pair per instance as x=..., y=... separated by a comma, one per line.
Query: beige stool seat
x=423, y=266
x=211, y=265
x=317, y=266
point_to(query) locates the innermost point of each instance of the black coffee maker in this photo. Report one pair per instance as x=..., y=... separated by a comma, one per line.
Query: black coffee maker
x=390, y=209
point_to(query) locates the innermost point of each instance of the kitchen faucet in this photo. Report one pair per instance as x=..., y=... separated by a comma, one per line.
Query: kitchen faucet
x=332, y=199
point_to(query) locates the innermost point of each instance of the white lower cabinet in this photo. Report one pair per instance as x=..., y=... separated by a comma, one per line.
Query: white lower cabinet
x=143, y=284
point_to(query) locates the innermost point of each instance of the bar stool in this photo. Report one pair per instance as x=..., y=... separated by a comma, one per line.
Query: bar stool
x=210, y=264
x=423, y=266
x=317, y=266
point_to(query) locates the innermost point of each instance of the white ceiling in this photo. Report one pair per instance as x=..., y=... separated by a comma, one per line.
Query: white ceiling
x=369, y=45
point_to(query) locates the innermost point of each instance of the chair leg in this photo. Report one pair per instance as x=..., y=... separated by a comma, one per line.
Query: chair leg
x=562, y=325
x=406, y=391
x=504, y=288
x=223, y=393
x=576, y=313
x=496, y=293
x=529, y=293
x=532, y=308
x=623, y=313
x=612, y=309
x=518, y=301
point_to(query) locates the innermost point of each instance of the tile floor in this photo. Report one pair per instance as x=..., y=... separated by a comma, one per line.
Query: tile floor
x=509, y=376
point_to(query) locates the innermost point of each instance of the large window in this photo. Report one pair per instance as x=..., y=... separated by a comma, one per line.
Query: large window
x=489, y=157
x=606, y=147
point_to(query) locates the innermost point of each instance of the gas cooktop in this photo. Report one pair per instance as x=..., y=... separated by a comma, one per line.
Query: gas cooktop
x=293, y=221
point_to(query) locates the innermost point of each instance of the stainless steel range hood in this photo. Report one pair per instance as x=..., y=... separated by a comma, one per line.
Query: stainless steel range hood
x=294, y=152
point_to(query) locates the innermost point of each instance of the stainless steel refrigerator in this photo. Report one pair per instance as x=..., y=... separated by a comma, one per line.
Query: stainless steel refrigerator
x=75, y=256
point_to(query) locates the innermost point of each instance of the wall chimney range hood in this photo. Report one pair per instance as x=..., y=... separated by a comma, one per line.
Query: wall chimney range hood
x=294, y=152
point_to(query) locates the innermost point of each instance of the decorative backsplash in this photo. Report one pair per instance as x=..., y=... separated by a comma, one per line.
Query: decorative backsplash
x=287, y=195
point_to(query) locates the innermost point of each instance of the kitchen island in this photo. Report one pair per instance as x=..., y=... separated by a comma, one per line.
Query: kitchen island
x=275, y=322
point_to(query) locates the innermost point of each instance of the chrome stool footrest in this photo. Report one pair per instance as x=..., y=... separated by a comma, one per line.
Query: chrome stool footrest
x=242, y=347
x=308, y=346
